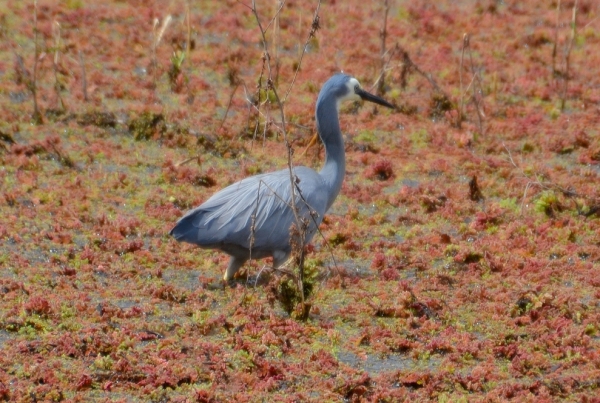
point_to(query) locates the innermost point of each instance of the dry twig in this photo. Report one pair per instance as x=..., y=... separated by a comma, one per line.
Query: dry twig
x=157, y=36
x=459, y=116
x=298, y=232
x=55, y=65
x=383, y=51
x=37, y=115
x=534, y=180
x=83, y=77
x=313, y=30
x=475, y=86
x=563, y=98
x=555, y=46
x=477, y=91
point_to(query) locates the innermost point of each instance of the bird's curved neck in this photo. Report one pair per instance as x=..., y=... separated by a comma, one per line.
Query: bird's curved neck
x=328, y=126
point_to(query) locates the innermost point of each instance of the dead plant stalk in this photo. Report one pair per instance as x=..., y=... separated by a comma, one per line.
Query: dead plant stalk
x=37, y=116
x=534, y=180
x=313, y=30
x=383, y=51
x=188, y=43
x=460, y=77
x=563, y=99
x=272, y=87
x=299, y=234
x=555, y=46
x=156, y=39
x=475, y=86
x=83, y=77
x=55, y=61
x=477, y=91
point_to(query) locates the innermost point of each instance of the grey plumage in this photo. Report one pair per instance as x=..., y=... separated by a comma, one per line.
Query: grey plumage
x=253, y=217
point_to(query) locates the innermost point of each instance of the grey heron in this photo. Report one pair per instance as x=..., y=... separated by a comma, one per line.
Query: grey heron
x=253, y=218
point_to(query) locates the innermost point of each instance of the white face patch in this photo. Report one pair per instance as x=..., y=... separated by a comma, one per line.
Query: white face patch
x=351, y=95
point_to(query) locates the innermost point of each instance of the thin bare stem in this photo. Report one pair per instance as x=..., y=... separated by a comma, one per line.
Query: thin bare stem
x=162, y=30
x=477, y=90
x=228, y=106
x=593, y=20
x=382, y=51
x=389, y=54
x=534, y=180
x=555, y=46
x=460, y=76
x=298, y=236
x=271, y=86
x=563, y=99
x=469, y=86
x=154, y=59
x=313, y=30
x=55, y=61
x=63, y=158
x=188, y=43
x=37, y=116
x=276, y=15
x=256, y=102
x=411, y=65
x=475, y=85
x=188, y=160
x=83, y=77
x=277, y=39
x=157, y=35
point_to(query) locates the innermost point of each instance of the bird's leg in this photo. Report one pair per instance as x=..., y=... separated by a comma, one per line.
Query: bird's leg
x=234, y=265
x=279, y=258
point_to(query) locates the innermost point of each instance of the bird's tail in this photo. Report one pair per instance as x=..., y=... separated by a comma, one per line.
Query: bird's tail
x=185, y=230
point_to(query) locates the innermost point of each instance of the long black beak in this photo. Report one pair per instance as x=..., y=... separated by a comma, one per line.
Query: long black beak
x=367, y=96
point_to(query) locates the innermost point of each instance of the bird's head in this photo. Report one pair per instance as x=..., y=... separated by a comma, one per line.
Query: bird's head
x=347, y=88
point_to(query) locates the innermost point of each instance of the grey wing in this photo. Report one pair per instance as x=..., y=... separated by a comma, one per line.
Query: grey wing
x=262, y=202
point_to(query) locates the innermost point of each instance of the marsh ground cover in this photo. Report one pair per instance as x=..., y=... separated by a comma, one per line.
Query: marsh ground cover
x=460, y=263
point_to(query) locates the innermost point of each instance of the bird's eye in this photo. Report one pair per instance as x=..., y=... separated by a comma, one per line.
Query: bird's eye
x=356, y=88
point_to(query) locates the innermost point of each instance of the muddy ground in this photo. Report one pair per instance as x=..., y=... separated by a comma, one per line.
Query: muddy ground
x=461, y=261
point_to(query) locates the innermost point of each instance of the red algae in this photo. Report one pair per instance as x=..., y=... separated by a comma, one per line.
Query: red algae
x=460, y=260
x=381, y=170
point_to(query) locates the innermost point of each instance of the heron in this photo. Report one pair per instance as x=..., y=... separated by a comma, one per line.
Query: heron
x=254, y=218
